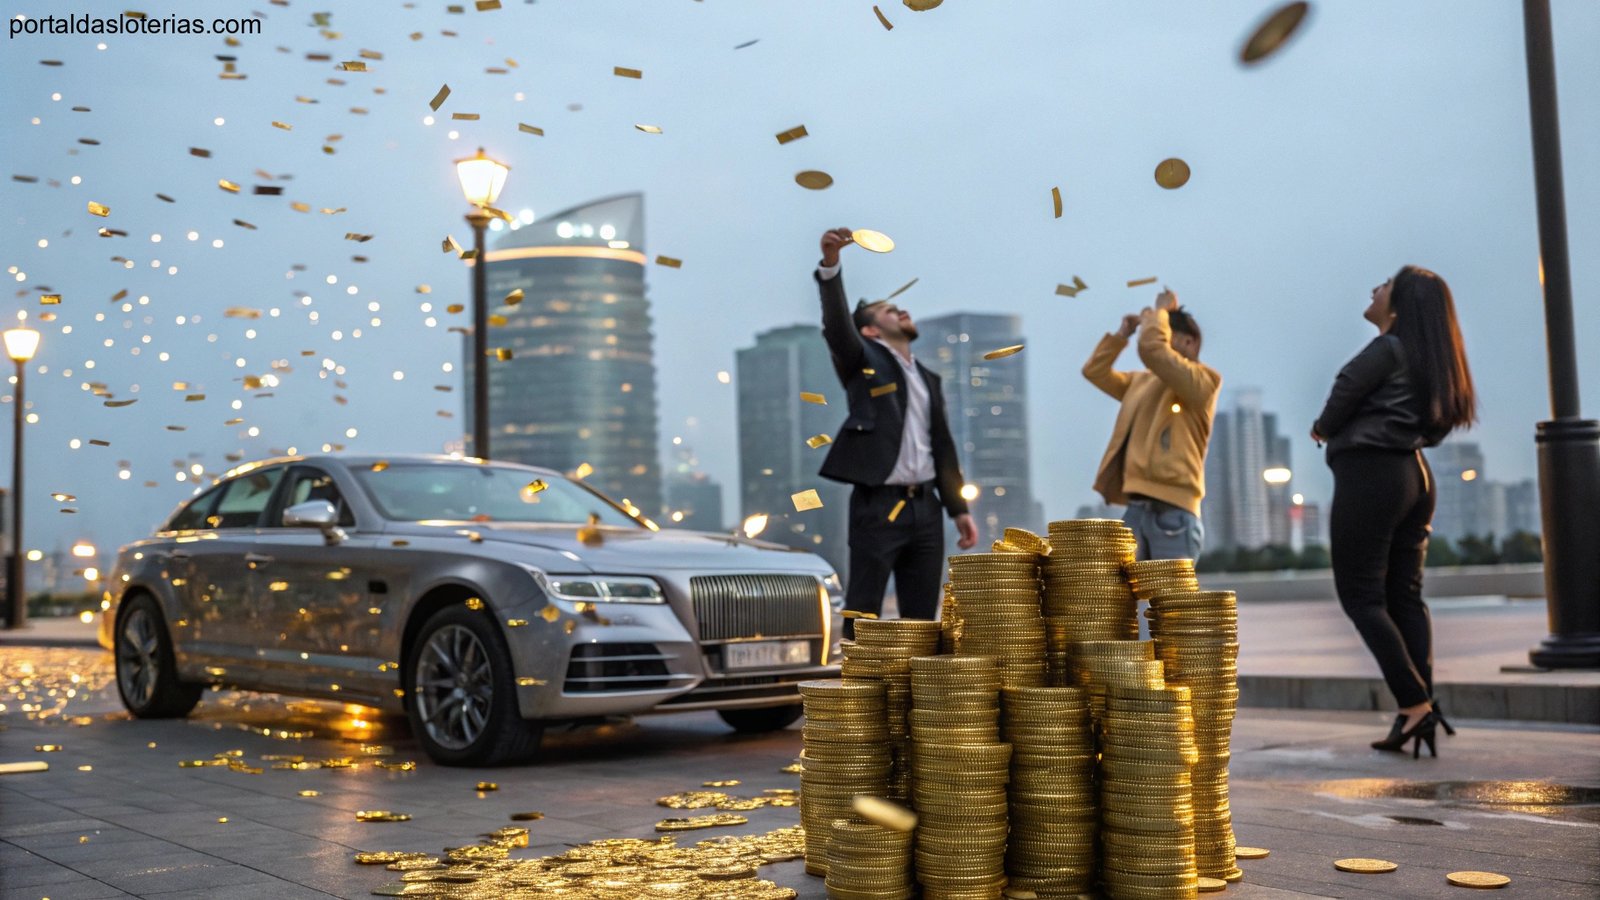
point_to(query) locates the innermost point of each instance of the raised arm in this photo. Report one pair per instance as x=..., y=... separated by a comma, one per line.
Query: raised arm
x=1194, y=384
x=838, y=326
x=1098, y=369
x=1359, y=377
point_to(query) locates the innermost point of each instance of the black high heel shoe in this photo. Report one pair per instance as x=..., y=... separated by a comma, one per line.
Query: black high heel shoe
x=1422, y=732
x=1438, y=713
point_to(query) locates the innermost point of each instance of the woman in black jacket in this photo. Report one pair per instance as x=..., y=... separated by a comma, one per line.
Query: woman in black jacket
x=1407, y=390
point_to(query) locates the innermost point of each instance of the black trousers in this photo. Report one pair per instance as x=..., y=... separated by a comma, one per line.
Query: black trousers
x=1382, y=513
x=911, y=548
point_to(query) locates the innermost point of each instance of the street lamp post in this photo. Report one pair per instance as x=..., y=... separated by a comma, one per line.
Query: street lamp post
x=1568, y=445
x=481, y=181
x=21, y=344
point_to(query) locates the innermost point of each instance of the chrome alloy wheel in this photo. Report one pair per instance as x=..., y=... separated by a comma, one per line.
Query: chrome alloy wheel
x=454, y=687
x=138, y=657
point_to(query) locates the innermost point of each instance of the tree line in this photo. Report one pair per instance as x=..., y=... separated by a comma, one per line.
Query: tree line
x=1472, y=550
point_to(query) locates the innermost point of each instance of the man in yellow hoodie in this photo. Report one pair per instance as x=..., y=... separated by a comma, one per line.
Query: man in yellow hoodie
x=1155, y=463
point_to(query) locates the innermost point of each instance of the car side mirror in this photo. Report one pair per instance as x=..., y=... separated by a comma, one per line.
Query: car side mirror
x=319, y=514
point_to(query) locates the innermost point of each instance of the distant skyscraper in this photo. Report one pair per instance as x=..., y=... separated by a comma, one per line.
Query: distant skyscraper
x=1236, y=505
x=580, y=386
x=1522, y=507
x=1468, y=502
x=694, y=499
x=774, y=424
x=1277, y=477
x=987, y=403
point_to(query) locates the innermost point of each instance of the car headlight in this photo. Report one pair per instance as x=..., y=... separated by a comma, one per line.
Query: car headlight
x=835, y=589
x=601, y=588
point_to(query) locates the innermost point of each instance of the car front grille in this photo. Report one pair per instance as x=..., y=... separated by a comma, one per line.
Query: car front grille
x=737, y=607
x=596, y=668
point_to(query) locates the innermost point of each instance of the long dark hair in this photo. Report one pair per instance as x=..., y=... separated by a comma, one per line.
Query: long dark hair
x=1425, y=323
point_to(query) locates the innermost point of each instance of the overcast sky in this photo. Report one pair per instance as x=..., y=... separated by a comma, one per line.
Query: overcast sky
x=1382, y=134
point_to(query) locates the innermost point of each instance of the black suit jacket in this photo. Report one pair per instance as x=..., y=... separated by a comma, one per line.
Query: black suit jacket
x=865, y=450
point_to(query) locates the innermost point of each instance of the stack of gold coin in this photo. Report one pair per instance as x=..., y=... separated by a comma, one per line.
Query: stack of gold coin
x=1097, y=665
x=949, y=620
x=1027, y=541
x=867, y=861
x=1197, y=639
x=960, y=773
x=882, y=651
x=997, y=597
x=1152, y=577
x=847, y=752
x=1084, y=586
x=1147, y=811
x=1054, y=817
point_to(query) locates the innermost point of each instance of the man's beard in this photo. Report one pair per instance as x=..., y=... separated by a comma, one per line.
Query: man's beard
x=909, y=331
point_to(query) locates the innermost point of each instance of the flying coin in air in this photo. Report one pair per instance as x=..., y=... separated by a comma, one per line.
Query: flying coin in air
x=813, y=180
x=1172, y=173
x=876, y=241
x=1272, y=33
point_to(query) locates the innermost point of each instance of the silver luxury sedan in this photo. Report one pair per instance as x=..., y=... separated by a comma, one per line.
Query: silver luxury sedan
x=482, y=599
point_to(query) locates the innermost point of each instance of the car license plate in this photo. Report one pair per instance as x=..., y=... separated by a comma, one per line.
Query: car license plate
x=760, y=654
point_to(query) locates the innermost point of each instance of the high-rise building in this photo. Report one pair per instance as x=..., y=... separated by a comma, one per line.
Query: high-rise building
x=1278, y=476
x=694, y=499
x=1468, y=502
x=987, y=404
x=1236, y=505
x=572, y=381
x=1522, y=507
x=775, y=461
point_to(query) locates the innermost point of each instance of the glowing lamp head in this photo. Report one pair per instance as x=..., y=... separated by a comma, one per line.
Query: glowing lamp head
x=83, y=550
x=21, y=343
x=969, y=492
x=754, y=525
x=1277, y=475
x=481, y=178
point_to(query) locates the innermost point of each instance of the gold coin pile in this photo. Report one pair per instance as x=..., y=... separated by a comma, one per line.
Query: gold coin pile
x=1086, y=596
x=869, y=862
x=882, y=651
x=1051, y=848
x=959, y=772
x=1097, y=665
x=1197, y=640
x=997, y=597
x=846, y=753
x=949, y=620
x=1152, y=577
x=1147, y=814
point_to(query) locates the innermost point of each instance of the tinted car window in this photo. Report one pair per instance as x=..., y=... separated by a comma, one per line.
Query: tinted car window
x=315, y=484
x=470, y=492
x=244, y=499
x=193, y=515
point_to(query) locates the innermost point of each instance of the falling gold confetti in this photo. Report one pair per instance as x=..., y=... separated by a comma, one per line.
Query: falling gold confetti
x=884, y=389
x=97, y=209
x=530, y=129
x=381, y=815
x=1072, y=289
x=857, y=614
x=535, y=486
x=793, y=134
x=117, y=404
x=465, y=117
x=1055, y=198
x=806, y=499
x=1139, y=282
x=818, y=399
x=883, y=812
x=731, y=782
x=488, y=786
x=813, y=180
x=898, y=508
x=516, y=623
x=227, y=185
x=63, y=498
x=353, y=66
x=1172, y=173
x=818, y=440
x=47, y=748
x=513, y=298
x=1273, y=32
x=449, y=244
x=439, y=98
x=882, y=19
x=649, y=129
x=527, y=681
x=503, y=354
x=623, y=72
x=669, y=262
x=1003, y=352
x=50, y=300
x=474, y=603
x=550, y=613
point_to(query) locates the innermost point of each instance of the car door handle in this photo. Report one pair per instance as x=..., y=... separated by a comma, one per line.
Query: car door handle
x=257, y=559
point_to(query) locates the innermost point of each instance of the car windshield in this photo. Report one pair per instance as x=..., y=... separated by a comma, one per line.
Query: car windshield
x=483, y=493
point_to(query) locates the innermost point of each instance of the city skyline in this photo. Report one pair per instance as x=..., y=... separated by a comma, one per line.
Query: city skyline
x=1274, y=243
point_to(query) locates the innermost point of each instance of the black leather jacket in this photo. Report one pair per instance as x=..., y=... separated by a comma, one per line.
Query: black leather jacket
x=1374, y=404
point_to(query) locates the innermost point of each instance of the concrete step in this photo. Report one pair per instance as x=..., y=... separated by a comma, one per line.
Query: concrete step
x=1561, y=699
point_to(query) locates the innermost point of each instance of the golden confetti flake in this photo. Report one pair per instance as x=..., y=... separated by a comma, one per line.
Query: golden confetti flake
x=439, y=98
x=487, y=5
x=354, y=65
x=624, y=72
x=99, y=209
x=1140, y=282
x=310, y=793
x=47, y=748
x=283, y=125
x=527, y=816
x=516, y=623
x=525, y=128
x=201, y=152
x=883, y=812
x=1172, y=173
x=902, y=289
x=503, y=354
x=465, y=117
x=1055, y=199
x=550, y=613
x=50, y=300
x=1003, y=352
x=793, y=769
x=884, y=389
x=883, y=19
x=818, y=440
x=63, y=498
x=793, y=134
x=22, y=768
x=227, y=185
x=806, y=499
x=649, y=129
x=922, y=5
x=449, y=245
x=818, y=399
x=813, y=180
x=1071, y=290
x=381, y=815
x=669, y=262
x=527, y=681
x=488, y=786
x=876, y=241
x=857, y=614
x=118, y=404
x=513, y=298
x=474, y=603
x=1273, y=32
x=497, y=320
x=898, y=508
x=731, y=782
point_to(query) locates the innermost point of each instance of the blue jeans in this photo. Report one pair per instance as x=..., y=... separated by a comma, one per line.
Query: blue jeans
x=1164, y=531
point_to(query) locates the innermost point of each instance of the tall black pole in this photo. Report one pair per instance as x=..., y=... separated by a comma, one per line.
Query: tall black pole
x=479, y=220
x=18, y=591
x=1568, y=445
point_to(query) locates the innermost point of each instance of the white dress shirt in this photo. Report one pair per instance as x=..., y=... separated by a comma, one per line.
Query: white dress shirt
x=914, y=464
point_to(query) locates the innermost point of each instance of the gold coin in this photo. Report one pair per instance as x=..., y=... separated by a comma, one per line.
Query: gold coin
x=876, y=241
x=1274, y=32
x=1212, y=885
x=1477, y=879
x=1364, y=865
x=813, y=180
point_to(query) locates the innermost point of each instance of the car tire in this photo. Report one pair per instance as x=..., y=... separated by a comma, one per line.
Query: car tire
x=146, y=666
x=475, y=721
x=761, y=719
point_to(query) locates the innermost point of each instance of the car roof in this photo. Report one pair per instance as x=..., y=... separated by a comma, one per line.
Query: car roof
x=350, y=461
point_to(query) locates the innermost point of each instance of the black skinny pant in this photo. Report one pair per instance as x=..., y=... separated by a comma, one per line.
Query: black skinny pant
x=1382, y=513
x=911, y=548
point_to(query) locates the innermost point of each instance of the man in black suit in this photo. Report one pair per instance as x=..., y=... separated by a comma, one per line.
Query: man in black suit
x=895, y=447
